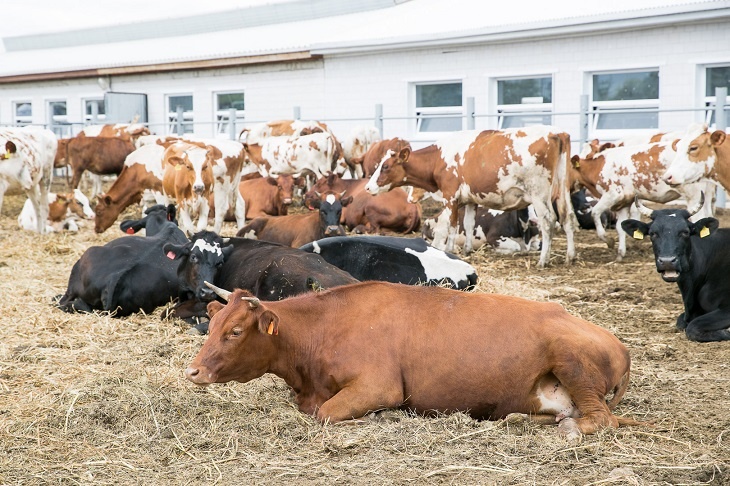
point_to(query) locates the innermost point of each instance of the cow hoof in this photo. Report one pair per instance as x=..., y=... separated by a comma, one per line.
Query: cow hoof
x=516, y=419
x=568, y=428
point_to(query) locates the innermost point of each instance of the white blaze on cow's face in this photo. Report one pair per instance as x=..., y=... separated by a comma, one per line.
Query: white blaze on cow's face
x=372, y=186
x=695, y=156
x=204, y=246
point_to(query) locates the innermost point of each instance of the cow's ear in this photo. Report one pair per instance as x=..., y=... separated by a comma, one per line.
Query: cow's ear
x=575, y=160
x=705, y=226
x=606, y=146
x=214, y=307
x=717, y=137
x=10, y=148
x=634, y=228
x=106, y=199
x=175, y=160
x=404, y=154
x=674, y=145
x=345, y=201
x=173, y=252
x=227, y=251
x=269, y=323
x=272, y=181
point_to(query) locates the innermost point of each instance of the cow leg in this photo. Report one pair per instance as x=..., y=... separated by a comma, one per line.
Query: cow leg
x=713, y=326
x=546, y=220
x=569, y=223
x=203, y=211
x=621, y=215
x=35, y=196
x=240, y=208
x=470, y=212
x=441, y=229
x=354, y=402
x=221, y=203
x=453, y=227
x=186, y=223
x=603, y=204
x=96, y=185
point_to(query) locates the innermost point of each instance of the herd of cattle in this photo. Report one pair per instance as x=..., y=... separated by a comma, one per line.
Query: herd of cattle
x=340, y=317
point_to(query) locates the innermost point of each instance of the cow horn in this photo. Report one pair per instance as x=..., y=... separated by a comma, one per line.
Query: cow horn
x=223, y=294
x=642, y=209
x=252, y=301
x=698, y=206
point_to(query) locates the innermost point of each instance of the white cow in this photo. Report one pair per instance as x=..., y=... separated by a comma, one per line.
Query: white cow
x=357, y=143
x=28, y=160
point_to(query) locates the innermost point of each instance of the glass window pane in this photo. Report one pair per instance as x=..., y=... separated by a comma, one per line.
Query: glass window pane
x=615, y=121
x=226, y=101
x=717, y=77
x=444, y=124
x=58, y=108
x=186, y=101
x=520, y=121
x=99, y=106
x=23, y=109
x=519, y=91
x=429, y=95
x=626, y=86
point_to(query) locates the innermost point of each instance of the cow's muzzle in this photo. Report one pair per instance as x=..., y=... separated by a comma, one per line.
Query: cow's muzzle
x=669, y=268
x=334, y=231
x=193, y=374
x=206, y=295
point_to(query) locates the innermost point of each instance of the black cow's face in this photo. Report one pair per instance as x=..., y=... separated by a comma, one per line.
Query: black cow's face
x=670, y=232
x=330, y=214
x=201, y=261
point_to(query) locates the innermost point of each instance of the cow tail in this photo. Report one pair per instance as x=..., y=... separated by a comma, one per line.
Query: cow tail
x=562, y=183
x=619, y=391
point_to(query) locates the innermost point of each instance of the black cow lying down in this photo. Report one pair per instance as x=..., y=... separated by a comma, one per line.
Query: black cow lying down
x=695, y=255
x=392, y=259
x=129, y=274
x=268, y=270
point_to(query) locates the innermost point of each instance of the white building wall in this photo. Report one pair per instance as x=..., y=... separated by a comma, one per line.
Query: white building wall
x=344, y=89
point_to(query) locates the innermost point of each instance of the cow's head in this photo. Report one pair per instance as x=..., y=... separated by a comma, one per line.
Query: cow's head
x=284, y=184
x=156, y=217
x=106, y=212
x=191, y=168
x=670, y=231
x=331, y=182
x=330, y=206
x=201, y=259
x=391, y=171
x=241, y=344
x=695, y=155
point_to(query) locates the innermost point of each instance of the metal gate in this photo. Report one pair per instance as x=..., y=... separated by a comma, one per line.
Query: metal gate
x=125, y=107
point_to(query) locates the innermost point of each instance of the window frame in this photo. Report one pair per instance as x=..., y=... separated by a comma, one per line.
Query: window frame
x=539, y=110
x=101, y=117
x=427, y=112
x=188, y=121
x=607, y=106
x=59, y=124
x=22, y=119
x=221, y=116
x=710, y=100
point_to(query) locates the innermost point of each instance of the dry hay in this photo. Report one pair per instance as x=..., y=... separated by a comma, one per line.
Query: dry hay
x=94, y=399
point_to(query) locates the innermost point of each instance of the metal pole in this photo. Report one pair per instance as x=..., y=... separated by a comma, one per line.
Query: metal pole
x=297, y=112
x=720, y=124
x=179, y=121
x=94, y=112
x=584, y=106
x=379, y=118
x=470, y=120
x=232, y=123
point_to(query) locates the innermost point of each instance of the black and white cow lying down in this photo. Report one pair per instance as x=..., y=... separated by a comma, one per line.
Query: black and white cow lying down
x=695, y=255
x=409, y=261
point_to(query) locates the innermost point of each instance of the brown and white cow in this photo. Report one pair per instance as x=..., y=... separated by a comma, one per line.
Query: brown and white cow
x=617, y=175
x=319, y=153
x=126, y=131
x=281, y=128
x=367, y=213
x=296, y=230
x=98, y=155
x=268, y=196
x=27, y=158
x=142, y=173
x=63, y=212
x=356, y=145
x=505, y=170
x=351, y=350
x=700, y=154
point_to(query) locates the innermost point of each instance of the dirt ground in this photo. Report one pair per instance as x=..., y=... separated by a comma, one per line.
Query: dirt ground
x=95, y=399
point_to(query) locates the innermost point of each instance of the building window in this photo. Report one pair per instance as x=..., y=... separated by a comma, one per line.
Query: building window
x=523, y=102
x=90, y=106
x=185, y=102
x=715, y=77
x=434, y=102
x=618, y=91
x=224, y=102
x=23, y=112
x=58, y=118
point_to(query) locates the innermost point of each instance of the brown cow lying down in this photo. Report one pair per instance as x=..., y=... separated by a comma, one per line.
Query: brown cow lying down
x=364, y=347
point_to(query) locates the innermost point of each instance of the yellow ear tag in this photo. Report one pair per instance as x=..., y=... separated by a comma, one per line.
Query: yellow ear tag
x=178, y=167
x=270, y=330
x=577, y=165
x=638, y=235
x=6, y=155
x=705, y=231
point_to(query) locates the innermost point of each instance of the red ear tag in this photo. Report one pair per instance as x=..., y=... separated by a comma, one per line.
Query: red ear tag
x=170, y=255
x=130, y=231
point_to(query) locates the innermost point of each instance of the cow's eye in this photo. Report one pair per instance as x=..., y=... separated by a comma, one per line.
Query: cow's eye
x=693, y=148
x=235, y=332
x=684, y=233
x=653, y=234
x=386, y=167
x=194, y=258
x=219, y=264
